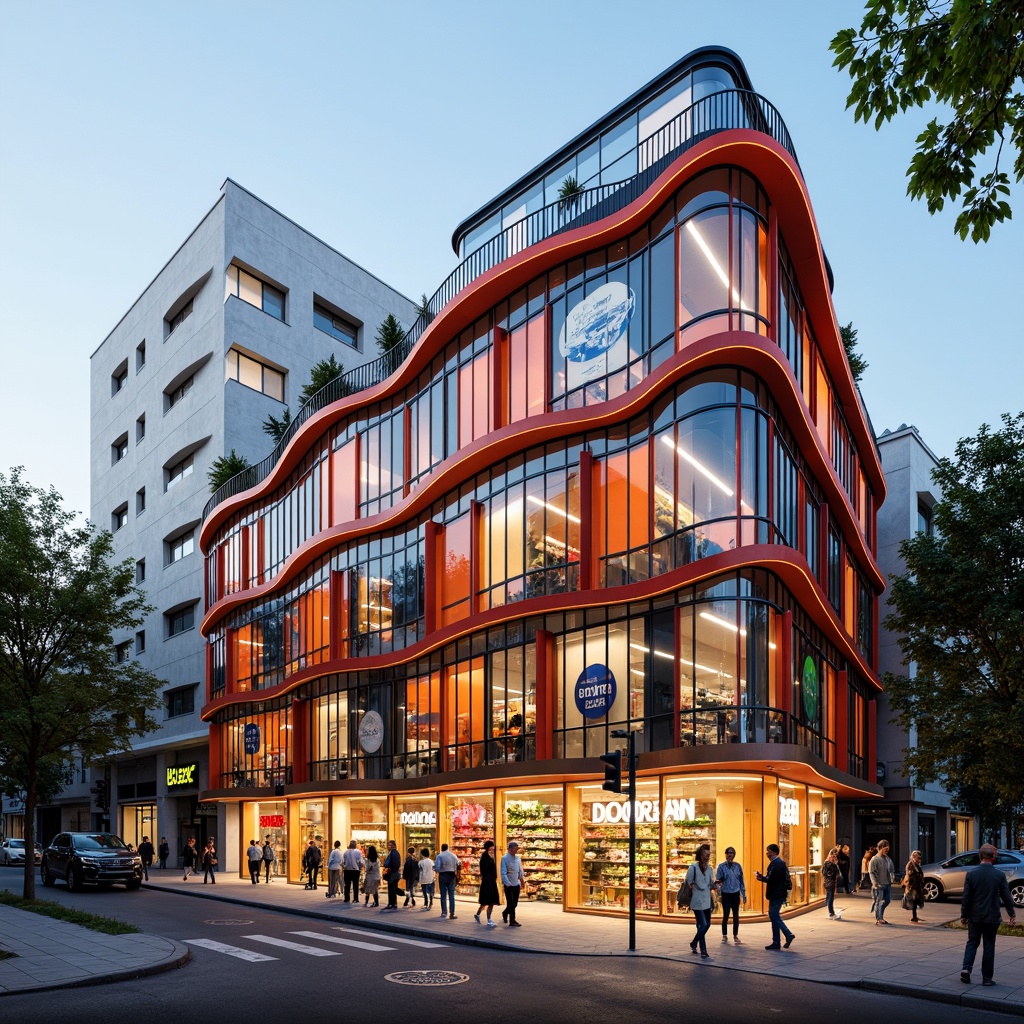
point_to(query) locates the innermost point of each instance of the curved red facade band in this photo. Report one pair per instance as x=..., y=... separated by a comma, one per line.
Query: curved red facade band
x=560, y=519
x=763, y=156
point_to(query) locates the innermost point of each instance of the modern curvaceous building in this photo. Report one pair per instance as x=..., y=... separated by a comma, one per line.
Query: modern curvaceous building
x=922, y=817
x=222, y=337
x=620, y=481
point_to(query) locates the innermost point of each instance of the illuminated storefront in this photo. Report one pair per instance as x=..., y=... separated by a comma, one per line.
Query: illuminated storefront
x=621, y=481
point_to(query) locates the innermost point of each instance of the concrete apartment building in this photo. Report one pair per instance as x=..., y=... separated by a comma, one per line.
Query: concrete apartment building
x=910, y=817
x=224, y=335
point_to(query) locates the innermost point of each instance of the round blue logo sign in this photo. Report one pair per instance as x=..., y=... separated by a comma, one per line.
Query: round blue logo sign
x=595, y=691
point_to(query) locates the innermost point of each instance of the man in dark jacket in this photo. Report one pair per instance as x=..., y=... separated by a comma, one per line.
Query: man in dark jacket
x=411, y=877
x=984, y=889
x=392, y=871
x=776, y=891
x=146, y=852
x=311, y=861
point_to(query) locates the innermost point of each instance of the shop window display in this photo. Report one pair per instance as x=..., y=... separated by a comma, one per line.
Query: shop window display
x=369, y=823
x=534, y=820
x=471, y=817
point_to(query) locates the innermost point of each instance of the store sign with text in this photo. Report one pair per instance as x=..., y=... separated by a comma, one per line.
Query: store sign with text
x=789, y=811
x=182, y=775
x=648, y=811
x=271, y=821
x=417, y=818
x=595, y=691
x=371, y=732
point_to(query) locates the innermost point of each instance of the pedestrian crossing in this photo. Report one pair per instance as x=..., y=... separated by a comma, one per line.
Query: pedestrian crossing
x=282, y=944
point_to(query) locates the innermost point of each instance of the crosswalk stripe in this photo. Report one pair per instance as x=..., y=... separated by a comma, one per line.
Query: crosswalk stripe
x=396, y=938
x=222, y=947
x=372, y=946
x=296, y=946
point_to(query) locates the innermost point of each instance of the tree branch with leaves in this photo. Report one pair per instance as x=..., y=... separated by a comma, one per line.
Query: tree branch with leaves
x=966, y=55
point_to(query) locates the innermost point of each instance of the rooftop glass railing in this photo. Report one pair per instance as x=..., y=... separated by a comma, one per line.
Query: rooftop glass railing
x=721, y=111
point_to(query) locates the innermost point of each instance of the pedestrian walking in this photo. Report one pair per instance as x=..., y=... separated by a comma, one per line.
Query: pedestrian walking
x=883, y=874
x=311, y=861
x=209, y=862
x=513, y=880
x=732, y=891
x=351, y=866
x=843, y=860
x=913, y=886
x=371, y=879
x=163, y=853
x=776, y=891
x=269, y=860
x=701, y=879
x=145, y=851
x=984, y=889
x=489, y=897
x=334, y=871
x=189, y=858
x=865, y=864
x=392, y=873
x=830, y=876
x=447, y=867
x=426, y=870
x=254, y=856
x=410, y=876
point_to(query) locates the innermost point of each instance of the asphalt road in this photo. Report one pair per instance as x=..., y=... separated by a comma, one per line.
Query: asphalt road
x=276, y=967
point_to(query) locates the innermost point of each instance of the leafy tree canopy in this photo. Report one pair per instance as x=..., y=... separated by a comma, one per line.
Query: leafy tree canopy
x=390, y=333
x=966, y=55
x=959, y=607
x=423, y=310
x=223, y=468
x=858, y=364
x=64, y=691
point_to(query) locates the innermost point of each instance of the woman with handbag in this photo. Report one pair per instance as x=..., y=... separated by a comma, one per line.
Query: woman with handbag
x=209, y=863
x=913, y=886
x=830, y=875
x=701, y=879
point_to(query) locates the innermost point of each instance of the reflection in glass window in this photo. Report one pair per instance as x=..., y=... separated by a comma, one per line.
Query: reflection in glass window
x=336, y=326
x=254, y=374
x=252, y=290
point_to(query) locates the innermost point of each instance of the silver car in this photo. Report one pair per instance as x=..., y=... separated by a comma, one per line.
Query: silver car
x=12, y=851
x=947, y=878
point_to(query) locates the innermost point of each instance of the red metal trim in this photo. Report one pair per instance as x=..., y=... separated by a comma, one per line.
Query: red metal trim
x=588, y=551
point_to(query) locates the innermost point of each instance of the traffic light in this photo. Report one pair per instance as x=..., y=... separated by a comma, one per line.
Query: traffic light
x=100, y=789
x=612, y=771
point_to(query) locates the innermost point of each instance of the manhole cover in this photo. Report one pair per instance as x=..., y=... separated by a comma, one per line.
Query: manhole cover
x=226, y=920
x=426, y=978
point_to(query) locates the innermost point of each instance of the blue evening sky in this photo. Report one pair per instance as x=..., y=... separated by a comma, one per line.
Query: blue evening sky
x=378, y=127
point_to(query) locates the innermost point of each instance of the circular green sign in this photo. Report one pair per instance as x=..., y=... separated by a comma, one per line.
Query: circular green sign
x=809, y=685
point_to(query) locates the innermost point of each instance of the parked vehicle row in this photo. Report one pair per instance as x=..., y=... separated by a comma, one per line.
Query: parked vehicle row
x=947, y=878
x=12, y=851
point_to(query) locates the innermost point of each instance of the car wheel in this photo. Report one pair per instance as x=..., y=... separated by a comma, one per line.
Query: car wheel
x=133, y=885
x=48, y=879
x=1017, y=893
x=932, y=890
x=74, y=879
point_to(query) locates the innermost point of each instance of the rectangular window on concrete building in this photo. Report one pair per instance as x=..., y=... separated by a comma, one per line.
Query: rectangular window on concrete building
x=122, y=652
x=140, y=355
x=140, y=428
x=140, y=571
x=178, y=318
x=140, y=501
x=140, y=641
x=181, y=702
x=175, y=396
x=254, y=374
x=119, y=378
x=180, y=546
x=335, y=325
x=178, y=472
x=119, y=449
x=119, y=517
x=251, y=289
x=180, y=621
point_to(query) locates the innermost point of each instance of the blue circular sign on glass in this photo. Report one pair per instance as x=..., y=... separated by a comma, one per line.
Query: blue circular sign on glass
x=595, y=691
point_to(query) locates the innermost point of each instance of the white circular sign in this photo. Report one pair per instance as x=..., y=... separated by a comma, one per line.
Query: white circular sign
x=371, y=732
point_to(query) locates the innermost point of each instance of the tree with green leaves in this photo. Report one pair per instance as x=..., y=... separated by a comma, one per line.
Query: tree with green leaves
x=858, y=364
x=390, y=336
x=422, y=310
x=66, y=691
x=225, y=467
x=959, y=611
x=569, y=193
x=966, y=55
x=321, y=373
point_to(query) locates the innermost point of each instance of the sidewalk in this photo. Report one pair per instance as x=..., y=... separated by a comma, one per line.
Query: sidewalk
x=922, y=960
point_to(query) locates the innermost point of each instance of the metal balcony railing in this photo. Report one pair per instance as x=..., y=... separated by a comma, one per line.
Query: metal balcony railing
x=719, y=112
